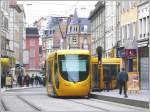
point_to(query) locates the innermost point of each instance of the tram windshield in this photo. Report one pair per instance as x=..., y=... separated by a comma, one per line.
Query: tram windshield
x=74, y=68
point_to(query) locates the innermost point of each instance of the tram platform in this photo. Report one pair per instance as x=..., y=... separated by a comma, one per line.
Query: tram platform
x=140, y=99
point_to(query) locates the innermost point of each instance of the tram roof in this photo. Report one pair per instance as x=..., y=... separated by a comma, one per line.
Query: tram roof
x=107, y=60
x=59, y=52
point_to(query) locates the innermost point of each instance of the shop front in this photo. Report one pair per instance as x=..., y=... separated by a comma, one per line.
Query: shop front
x=136, y=61
x=5, y=66
x=143, y=67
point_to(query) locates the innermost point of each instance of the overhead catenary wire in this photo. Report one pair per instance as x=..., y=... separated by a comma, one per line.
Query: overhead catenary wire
x=50, y=3
x=64, y=12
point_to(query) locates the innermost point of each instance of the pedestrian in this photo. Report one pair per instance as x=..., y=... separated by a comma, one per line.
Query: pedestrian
x=36, y=80
x=27, y=79
x=123, y=78
x=44, y=81
x=32, y=80
x=107, y=80
x=2, y=81
x=40, y=80
x=19, y=80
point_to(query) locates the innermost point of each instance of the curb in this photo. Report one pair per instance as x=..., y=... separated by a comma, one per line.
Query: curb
x=130, y=102
x=11, y=89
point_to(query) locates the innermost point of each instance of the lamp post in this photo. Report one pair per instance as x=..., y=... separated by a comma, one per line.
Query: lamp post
x=99, y=54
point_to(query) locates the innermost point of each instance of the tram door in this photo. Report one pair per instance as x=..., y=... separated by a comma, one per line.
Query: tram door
x=95, y=77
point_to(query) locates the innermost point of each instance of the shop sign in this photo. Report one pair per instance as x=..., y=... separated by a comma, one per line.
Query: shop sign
x=130, y=53
x=5, y=61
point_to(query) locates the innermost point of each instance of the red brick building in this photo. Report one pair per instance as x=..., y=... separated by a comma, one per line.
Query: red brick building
x=32, y=46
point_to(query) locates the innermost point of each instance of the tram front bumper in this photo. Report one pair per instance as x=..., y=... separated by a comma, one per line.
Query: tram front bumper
x=74, y=89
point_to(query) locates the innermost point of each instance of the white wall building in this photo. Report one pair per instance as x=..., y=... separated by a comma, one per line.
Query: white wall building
x=110, y=26
x=143, y=20
x=4, y=28
x=97, y=17
x=22, y=33
x=14, y=27
x=143, y=35
x=49, y=45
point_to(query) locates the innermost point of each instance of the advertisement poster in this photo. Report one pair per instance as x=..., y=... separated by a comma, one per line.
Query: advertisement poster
x=8, y=81
x=133, y=81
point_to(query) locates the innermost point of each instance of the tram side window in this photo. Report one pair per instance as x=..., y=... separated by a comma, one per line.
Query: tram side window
x=55, y=71
x=49, y=73
x=95, y=74
x=111, y=70
x=56, y=75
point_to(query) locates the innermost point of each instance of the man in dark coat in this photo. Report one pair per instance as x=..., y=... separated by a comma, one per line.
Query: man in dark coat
x=32, y=80
x=3, y=81
x=123, y=78
x=19, y=80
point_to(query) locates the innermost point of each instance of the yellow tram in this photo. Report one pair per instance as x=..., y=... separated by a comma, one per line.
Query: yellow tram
x=109, y=66
x=68, y=73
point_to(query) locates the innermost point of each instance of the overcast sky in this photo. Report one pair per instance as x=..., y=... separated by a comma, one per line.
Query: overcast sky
x=37, y=9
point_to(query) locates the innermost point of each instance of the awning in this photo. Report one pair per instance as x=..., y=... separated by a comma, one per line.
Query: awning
x=5, y=61
x=143, y=44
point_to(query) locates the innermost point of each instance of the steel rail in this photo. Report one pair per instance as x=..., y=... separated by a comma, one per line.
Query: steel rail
x=27, y=102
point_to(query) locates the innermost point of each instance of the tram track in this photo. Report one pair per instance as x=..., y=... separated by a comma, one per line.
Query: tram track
x=104, y=109
x=4, y=107
x=27, y=102
x=7, y=107
x=88, y=105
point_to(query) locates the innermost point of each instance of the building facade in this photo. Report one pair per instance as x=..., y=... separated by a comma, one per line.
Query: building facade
x=41, y=26
x=128, y=24
x=6, y=54
x=143, y=38
x=97, y=18
x=60, y=35
x=110, y=27
x=14, y=27
x=32, y=46
x=46, y=27
x=78, y=33
x=22, y=33
x=52, y=25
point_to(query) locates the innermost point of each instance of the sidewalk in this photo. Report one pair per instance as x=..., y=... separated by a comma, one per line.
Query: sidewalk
x=17, y=88
x=134, y=99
